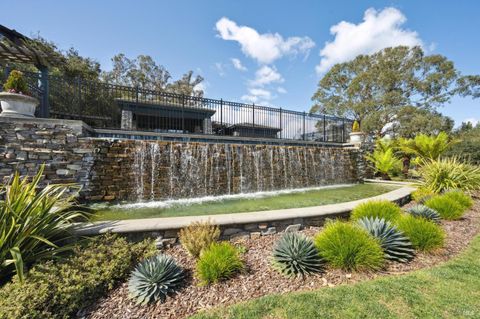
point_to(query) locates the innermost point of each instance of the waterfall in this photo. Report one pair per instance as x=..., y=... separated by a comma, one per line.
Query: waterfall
x=170, y=170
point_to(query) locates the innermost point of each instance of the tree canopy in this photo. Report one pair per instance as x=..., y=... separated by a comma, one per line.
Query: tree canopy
x=142, y=71
x=392, y=87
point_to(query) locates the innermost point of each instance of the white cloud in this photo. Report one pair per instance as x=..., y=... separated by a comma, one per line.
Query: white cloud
x=266, y=75
x=220, y=68
x=237, y=64
x=379, y=30
x=266, y=47
x=281, y=90
x=256, y=95
x=472, y=120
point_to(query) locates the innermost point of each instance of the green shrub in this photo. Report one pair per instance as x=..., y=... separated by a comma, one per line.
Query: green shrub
x=35, y=224
x=425, y=212
x=198, y=236
x=460, y=197
x=295, y=255
x=349, y=247
x=446, y=207
x=60, y=289
x=385, y=162
x=16, y=83
x=218, y=262
x=154, y=278
x=421, y=194
x=396, y=246
x=377, y=208
x=449, y=174
x=427, y=147
x=424, y=234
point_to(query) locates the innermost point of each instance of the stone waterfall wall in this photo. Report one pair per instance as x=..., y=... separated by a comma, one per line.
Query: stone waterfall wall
x=148, y=170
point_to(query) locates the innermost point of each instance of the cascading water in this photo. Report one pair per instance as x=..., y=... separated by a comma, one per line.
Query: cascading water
x=165, y=170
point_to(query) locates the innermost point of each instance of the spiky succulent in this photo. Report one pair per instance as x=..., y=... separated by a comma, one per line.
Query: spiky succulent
x=425, y=212
x=154, y=278
x=295, y=255
x=395, y=244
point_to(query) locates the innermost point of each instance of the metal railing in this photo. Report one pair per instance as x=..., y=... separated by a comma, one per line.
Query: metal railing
x=109, y=106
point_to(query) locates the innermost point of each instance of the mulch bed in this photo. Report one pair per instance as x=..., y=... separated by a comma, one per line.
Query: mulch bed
x=260, y=279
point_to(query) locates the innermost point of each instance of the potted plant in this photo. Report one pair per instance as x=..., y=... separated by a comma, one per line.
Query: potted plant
x=356, y=136
x=15, y=100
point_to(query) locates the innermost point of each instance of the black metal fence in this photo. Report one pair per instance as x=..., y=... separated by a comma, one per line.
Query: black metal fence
x=108, y=106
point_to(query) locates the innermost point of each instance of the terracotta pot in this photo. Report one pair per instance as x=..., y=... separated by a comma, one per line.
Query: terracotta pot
x=17, y=105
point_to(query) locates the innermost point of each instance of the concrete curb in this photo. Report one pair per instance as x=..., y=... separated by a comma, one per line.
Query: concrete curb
x=172, y=223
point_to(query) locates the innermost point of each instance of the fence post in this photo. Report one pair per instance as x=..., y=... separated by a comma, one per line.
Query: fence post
x=221, y=117
x=45, y=87
x=136, y=93
x=324, y=128
x=304, y=116
x=183, y=114
x=280, y=123
x=343, y=130
x=253, y=118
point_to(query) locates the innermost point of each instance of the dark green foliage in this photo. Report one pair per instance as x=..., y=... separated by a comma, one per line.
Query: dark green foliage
x=424, y=234
x=60, y=289
x=154, y=278
x=460, y=197
x=395, y=244
x=34, y=224
x=349, y=247
x=377, y=208
x=425, y=212
x=16, y=83
x=295, y=255
x=218, y=262
x=447, y=207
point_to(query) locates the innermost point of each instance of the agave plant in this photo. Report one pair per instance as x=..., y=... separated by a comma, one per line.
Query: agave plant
x=34, y=224
x=154, y=278
x=296, y=255
x=425, y=212
x=395, y=244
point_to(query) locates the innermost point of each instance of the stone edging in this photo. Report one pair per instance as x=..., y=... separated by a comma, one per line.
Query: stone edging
x=239, y=224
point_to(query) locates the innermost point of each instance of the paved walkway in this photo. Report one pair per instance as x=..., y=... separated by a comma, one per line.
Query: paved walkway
x=167, y=223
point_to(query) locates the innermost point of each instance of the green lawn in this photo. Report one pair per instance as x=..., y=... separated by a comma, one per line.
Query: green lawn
x=227, y=206
x=451, y=290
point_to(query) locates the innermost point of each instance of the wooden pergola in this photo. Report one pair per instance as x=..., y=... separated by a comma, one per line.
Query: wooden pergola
x=18, y=48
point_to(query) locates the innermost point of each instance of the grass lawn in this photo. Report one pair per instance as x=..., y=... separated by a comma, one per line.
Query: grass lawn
x=451, y=290
x=227, y=206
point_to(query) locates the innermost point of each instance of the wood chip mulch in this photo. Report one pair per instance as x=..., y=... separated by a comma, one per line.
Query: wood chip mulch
x=260, y=279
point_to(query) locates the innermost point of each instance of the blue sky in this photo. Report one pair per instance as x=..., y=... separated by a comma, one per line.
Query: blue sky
x=265, y=52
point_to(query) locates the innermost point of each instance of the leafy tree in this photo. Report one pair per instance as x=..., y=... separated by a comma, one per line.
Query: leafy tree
x=427, y=147
x=145, y=73
x=411, y=121
x=375, y=89
x=384, y=162
x=468, y=146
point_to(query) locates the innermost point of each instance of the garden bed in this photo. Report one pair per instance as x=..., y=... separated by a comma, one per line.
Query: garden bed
x=260, y=279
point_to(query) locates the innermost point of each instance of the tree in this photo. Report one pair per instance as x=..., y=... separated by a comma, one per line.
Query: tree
x=145, y=73
x=427, y=147
x=468, y=146
x=411, y=121
x=375, y=89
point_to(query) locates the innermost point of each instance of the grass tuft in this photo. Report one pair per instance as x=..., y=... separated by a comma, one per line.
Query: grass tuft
x=349, y=247
x=381, y=209
x=424, y=234
x=447, y=207
x=218, y=262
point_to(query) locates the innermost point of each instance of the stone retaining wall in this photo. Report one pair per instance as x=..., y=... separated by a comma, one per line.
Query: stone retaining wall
x=112, y=169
